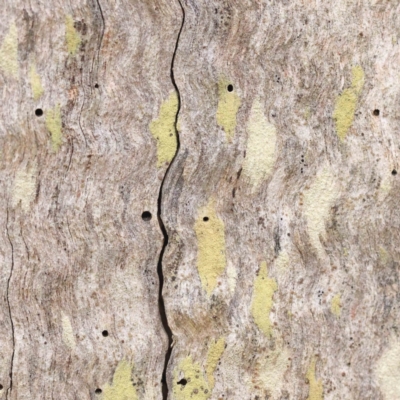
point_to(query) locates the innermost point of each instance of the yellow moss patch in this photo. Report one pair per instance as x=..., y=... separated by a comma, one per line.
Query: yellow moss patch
x=346, y=103
x=196, y=387
x=67, y=332
x=53, y=123
x=270, y=371
x=24, y=190
x=318, y=200
x=214, y=354
x=121, y=388
x=36, y=84
x=9, y=52
x=387, y=371
x=163, y=130
x=336, y=305
x=210, y=232
x=72, y=37
x=261, y=143
x=316, y=389
x=228, y=106
x=263, y=292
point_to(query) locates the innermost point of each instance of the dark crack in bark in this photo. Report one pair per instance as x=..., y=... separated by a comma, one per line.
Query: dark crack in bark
x=161, y=304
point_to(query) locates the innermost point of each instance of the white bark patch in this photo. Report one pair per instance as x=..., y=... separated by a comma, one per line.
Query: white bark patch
x=318, y=200
x=24, y=189
x=67, y=332
x=261, y=144
x=387, y=371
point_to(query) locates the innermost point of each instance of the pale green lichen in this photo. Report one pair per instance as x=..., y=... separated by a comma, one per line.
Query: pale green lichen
x=387, y=371
x=24, y=189
x=121, y=388
x=67, y=332
x=54, y=125
x=36, y=84
x=215, y=351
x=163, y=130
x=316, y=388
x=264, y=289
x=9, y=52
x=336, y=305
x=261, y=143
x=346, y=103
x=318, y=200
x=72, y=37
x=210, y=233
x=228, y=106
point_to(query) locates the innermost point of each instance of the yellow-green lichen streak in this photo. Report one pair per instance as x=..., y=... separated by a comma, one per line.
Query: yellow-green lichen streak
x=264, y=289
x=53, y=124
x=387, y=371
x=215, y=351
x=260, y=151
x=196, y=387
x=67, y=332
x=336, y=305
x=211, y=259
x=316, y=389
x=228, y=106
x=24, y=190
x=346, y=103
x=121, y=388
x=72, y=37
x=318, y=200
x=36, y=84
x=9, y=52
x=163, y=130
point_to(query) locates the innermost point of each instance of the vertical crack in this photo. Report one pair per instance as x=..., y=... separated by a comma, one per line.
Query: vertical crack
x=9, y=389
x=160, y=273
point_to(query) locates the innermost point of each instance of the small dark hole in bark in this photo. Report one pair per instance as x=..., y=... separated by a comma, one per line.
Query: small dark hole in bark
x=205, y=219
x=96, y=85
x=146, y=216
x=376, y=112
x=38, y=112
x=230, y=88
x=98, y=391
x=394, y=172
x=104, y=333
x=182, y=382
x=1, y=387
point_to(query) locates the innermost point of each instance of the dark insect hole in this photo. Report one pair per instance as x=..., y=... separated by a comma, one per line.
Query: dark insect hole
x=205, y=219
x=98, y=391
x=230, y=88
x=182, y=382
x=376, y=112
x=394, y=172
x=146, y=216
x=104, y=333
x=38, y=112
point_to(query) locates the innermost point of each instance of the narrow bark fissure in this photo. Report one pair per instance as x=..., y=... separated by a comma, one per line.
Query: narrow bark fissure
x=161, y=304
x=9, y=389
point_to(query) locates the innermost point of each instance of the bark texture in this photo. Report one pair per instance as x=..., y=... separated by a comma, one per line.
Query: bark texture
x=240, y=155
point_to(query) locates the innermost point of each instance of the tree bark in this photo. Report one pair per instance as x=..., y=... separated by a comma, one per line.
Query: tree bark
x=199, y=200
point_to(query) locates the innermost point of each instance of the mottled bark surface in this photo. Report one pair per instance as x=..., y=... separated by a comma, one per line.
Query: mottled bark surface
x=261, y=137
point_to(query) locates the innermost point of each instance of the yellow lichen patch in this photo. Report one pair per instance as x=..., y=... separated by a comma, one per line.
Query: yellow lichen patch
x=387, y=371
x=163, y=130
x=346, y=103
x=36, y=84
x=196, y=386
x=72, y=37
x=318, y=200
x=9, y=52
x=228, y=106
x=214, y=354
x=24, y=190
x=261, y=143
x=336, y=306
x=264, y=288
x=316, y=389
x=283, y=260
x=53, y=123
x=67, y=332
x=121, y=388
x=210, y=233
x=270, y=371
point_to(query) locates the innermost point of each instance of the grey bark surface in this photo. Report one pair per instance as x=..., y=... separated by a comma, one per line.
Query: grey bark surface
x=275, y=225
